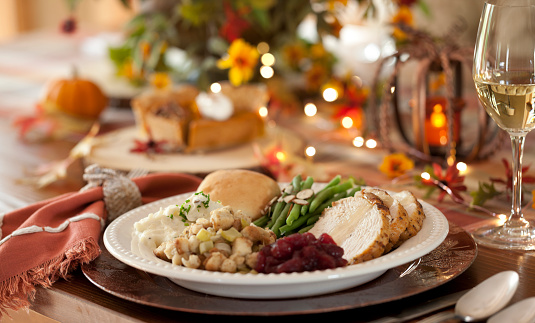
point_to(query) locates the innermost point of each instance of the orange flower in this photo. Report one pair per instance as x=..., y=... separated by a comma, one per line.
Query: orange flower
x=403, y=17
x=145, y=49
x=241, y=60
x=160, y=80
x=396, y=164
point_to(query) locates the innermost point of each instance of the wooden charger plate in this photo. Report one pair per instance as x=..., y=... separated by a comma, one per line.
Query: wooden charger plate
x=456, y=253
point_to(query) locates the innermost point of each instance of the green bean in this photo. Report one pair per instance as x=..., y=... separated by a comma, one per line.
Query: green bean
x=296, y=183
x=296, y=210
x=313, y=219
x=354, y=190
x=281, y=219
x=296, y=224
x=262, y=221
x=329, y=193
x=334, y=181
x=294, y=214
x=327, y=204
x=277, y=211
x=305, y=229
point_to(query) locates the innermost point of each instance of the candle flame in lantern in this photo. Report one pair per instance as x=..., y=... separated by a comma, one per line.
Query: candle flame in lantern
x=438, y=118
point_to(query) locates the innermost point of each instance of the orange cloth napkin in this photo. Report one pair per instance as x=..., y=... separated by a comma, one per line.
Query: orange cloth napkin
x=45, y=241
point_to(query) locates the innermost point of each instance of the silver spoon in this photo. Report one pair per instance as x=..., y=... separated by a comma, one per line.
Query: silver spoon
x=521, y=312
x=482, y=301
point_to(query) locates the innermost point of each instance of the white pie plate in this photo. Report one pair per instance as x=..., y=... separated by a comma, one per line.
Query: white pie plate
x=118, y=240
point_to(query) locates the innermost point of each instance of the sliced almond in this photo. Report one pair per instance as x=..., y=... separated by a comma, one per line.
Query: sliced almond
x=273, y=200
x=305, y=194
x=300, y=201
x=288, y=198
x=289, y=189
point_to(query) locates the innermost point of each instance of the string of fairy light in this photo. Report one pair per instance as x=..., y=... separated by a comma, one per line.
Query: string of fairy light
x=329, y=94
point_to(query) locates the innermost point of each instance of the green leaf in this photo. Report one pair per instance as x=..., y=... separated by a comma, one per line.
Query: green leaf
x=485, y=192
x=262, y=18
x=424, y=7
x=119, y=55
x=155, y=55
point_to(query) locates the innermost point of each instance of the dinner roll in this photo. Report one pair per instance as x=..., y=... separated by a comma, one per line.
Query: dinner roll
x=243, y=190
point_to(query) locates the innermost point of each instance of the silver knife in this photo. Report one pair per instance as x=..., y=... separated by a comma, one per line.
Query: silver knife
x=422, y=309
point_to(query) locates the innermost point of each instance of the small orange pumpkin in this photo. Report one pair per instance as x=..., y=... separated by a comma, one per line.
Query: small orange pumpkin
x=77, y=97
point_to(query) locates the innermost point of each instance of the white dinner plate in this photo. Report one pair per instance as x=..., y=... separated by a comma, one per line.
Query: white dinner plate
x=119, y=234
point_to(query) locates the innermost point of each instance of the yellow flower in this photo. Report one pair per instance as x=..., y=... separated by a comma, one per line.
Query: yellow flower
x=241, y=59
x=403, y=17
x=396, y=164
x=160, y=80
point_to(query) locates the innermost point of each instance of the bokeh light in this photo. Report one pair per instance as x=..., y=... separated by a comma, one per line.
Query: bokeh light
x=215, y=87
x=262, y=47
x=358, y=142
x=371, y=143
x=266, y=72
x=426, y=176
x=263, y=112
x=310, y=109
x=268, y=59
x=310, y=151
x=330, y=94
x=347, y=122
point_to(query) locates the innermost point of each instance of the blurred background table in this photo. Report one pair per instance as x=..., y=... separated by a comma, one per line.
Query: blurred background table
x=27, y=63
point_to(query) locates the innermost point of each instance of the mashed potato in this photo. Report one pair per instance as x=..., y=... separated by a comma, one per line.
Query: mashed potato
x=169, y=222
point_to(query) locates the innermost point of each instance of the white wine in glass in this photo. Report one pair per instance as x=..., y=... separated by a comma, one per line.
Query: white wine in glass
x=504, y=75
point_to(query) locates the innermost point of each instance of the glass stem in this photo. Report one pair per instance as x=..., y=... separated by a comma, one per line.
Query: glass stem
x=516, y=219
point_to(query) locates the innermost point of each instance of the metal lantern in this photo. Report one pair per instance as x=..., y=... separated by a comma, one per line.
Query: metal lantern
x=434, y=130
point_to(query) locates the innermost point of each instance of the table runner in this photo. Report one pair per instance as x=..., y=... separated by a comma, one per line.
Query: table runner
x=45, y=241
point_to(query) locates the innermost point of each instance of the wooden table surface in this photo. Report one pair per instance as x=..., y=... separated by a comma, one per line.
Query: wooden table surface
x=78, y=300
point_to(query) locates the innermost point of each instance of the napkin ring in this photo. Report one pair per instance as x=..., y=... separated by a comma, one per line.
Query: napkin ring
x=121, y=194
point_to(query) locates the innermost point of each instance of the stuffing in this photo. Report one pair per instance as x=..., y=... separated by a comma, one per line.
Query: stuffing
x=227, y=242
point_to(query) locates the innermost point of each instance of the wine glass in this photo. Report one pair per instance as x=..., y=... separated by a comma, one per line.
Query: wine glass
x=504, y=75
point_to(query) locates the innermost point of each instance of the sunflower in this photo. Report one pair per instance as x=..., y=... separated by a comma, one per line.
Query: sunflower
x=241, y=60
x=395, y=165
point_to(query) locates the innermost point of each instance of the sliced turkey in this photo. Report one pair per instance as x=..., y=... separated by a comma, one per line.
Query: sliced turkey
x=399, y=220
x=414, y=210
x=359, y=224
